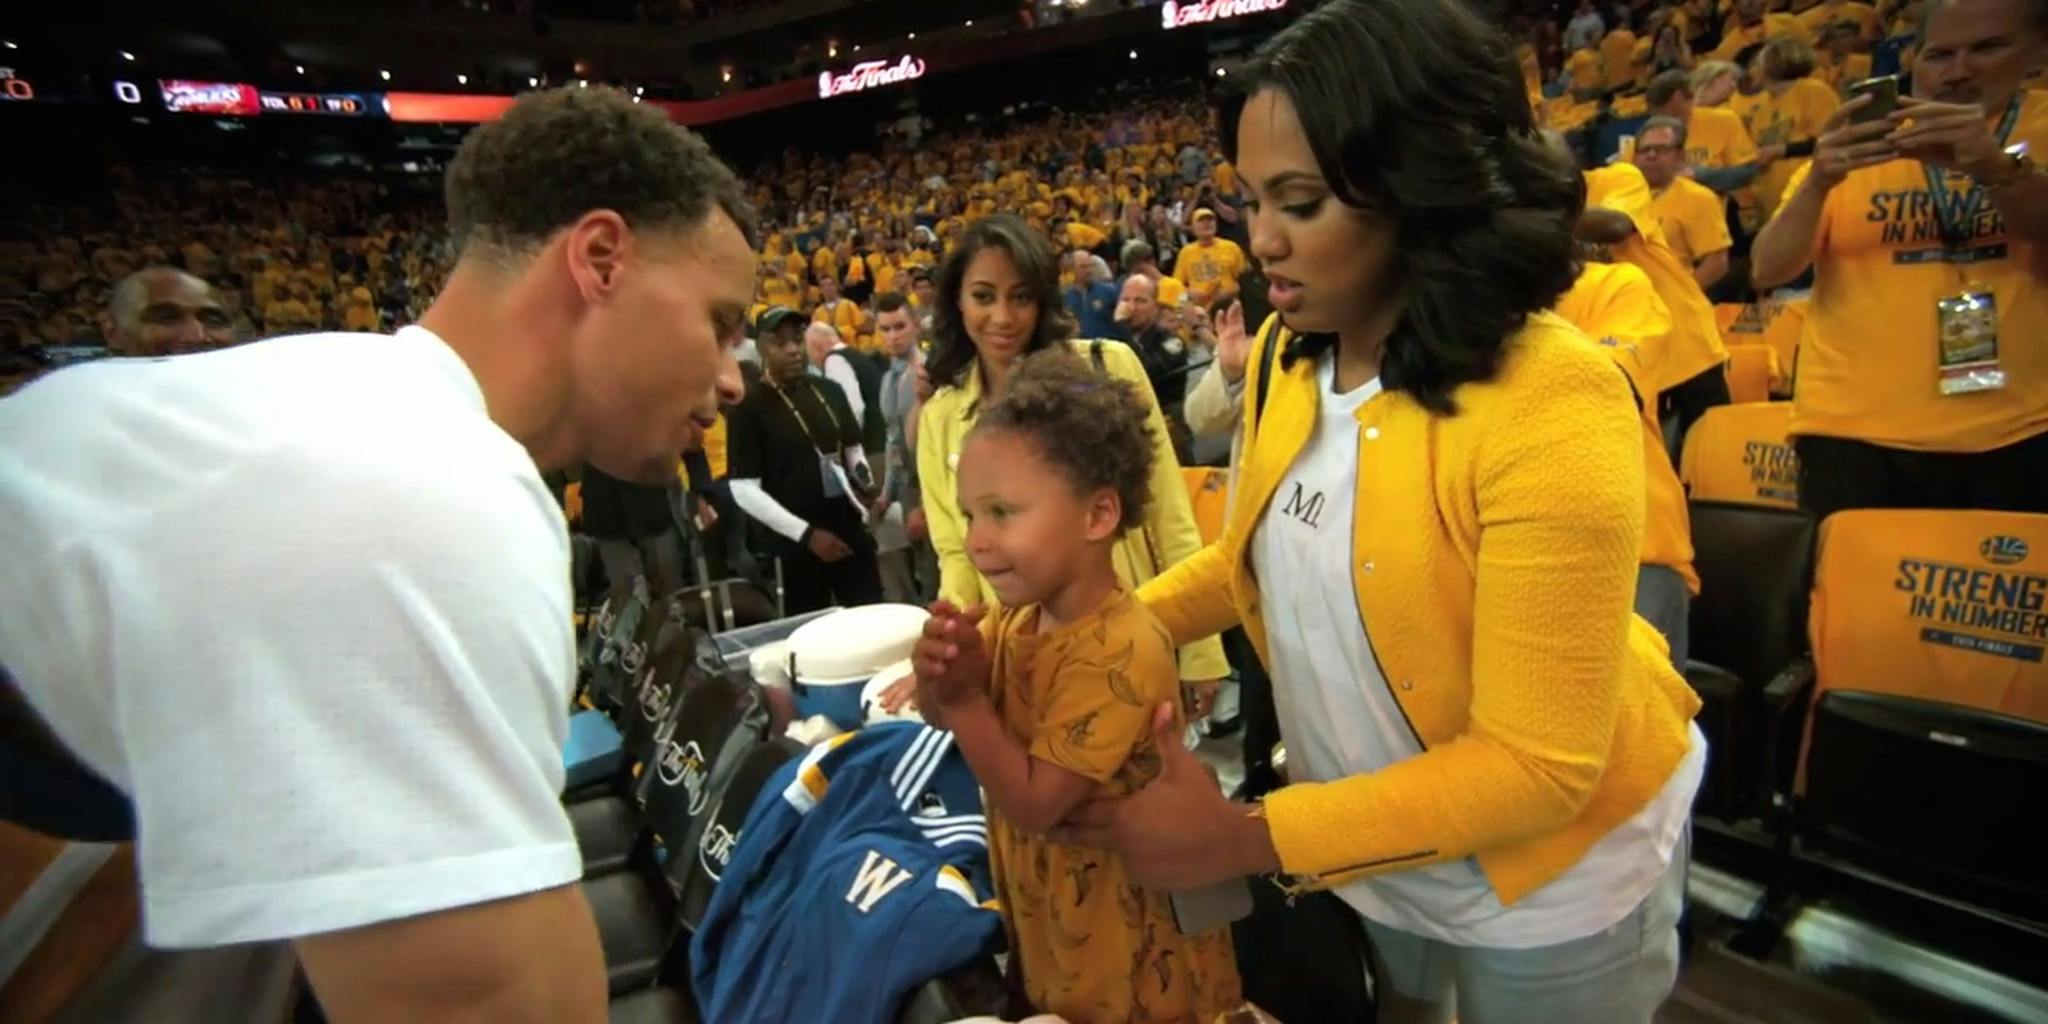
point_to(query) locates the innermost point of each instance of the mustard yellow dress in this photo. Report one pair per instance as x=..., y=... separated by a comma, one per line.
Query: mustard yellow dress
x=1088, y=944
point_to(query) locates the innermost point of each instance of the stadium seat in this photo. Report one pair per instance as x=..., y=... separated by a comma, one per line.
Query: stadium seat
x=593, y=751
x=634, y=925
x=606, y=831
x=718, y=720
x=1922, y=793
x=1940, y=605
x=653, y=1006
x=976, y=990
x=696, y=875
x=623, y=651
x=1775, y=323
x=1747, y=645
x=1742, y=453
x=1753, y=373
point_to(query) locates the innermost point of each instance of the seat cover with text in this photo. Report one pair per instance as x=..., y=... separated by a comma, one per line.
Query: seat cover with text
x=1742, y=453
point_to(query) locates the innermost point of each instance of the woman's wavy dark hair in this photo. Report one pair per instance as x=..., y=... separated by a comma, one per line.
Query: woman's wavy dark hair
x=1415, y=109
x=953, y=351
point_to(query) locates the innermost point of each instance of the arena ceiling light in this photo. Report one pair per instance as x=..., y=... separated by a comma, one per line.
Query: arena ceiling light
x=532, y=82
x=128, y=56
x=970, y=23
x=300, y=68
x=461, y=79
x=639, y=90
x=384, y=74
x=1134, y=55
x=913, y=35
x=11, y=44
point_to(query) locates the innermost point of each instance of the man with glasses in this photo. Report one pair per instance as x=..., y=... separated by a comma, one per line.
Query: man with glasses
x=1689, y=212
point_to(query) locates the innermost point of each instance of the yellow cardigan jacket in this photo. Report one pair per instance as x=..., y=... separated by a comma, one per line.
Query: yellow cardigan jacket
x=1169, y=533
x=1494, y=557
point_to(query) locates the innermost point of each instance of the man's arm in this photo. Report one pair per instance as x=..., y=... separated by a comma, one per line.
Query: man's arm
x=1711, y=269
x=748, y=494
x=529, y=958
x=840, y=371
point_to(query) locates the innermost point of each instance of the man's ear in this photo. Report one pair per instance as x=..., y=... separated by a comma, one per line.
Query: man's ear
x=1105, y=514
x=597, y=246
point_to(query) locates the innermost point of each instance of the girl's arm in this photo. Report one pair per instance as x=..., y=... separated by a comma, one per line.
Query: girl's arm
x=1034, y=794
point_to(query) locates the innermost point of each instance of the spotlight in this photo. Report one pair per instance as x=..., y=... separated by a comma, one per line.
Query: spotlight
x=300, y=68
x=461, y=79
x=913, y=35
x=385, y=75
x=639, y=90
x=1134, y=55
x=11, y=44
x=1222, y=73
x=532, y=82
x=129, y=57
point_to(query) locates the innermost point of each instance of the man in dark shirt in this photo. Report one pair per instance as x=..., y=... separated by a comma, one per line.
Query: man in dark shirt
x=796, y=467
x=1140, y=325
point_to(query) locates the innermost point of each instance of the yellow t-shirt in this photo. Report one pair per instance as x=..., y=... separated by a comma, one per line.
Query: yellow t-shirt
x=1868, y=364
x=1616, y=306
x=1088, y=943
x=1800, y=113
x=843, y=316
x=795, y=265
x=778, y=290
x=1742, y=454
x=1820, y=16
x=1210, y=269
x=825, y=263
x=1617, y=57
x=1746, y=107
x=1693, y=221
x=1585, y=69
x=1736, y=39
x=1715, y=137
x=885, y=272
x=1695, y=345
x=1084, y=236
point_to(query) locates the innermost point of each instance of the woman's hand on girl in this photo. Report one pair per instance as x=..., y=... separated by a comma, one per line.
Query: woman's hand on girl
x=1178, y=832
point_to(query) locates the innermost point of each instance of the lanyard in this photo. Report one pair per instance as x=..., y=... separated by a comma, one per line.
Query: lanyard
x=1952, y=227
x=806, y=424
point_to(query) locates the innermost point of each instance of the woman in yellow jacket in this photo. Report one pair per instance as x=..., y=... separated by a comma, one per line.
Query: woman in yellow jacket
x=997, y=300
x=1433, y=543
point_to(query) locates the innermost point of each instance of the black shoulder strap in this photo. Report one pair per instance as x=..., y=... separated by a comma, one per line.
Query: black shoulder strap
x=1269, y=358
x=1095, y=356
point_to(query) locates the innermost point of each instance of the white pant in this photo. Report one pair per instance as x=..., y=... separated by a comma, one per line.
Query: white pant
x=1619, y=975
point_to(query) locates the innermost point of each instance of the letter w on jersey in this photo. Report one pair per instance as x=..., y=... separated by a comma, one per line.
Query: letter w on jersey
x=878, y=877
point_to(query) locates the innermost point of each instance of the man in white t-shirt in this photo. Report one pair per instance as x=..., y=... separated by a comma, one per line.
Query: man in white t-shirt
x=306, y=602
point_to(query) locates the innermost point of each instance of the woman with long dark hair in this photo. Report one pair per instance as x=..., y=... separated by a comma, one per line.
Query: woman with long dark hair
x=998, y=300
x=1433, y=543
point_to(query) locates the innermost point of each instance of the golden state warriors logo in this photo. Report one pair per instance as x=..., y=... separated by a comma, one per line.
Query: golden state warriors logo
x=653, y=699
x=633, y=657
x=2003, y=550
x=682, y=764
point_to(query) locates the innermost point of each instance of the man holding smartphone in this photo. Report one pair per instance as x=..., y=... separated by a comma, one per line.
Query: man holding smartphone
x=1923, y=382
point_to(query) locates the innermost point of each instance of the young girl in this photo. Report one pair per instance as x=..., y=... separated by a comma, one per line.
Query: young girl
x=1051, y=696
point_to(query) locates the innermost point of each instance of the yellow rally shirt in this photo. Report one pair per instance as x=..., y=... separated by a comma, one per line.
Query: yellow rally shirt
x=1691, y=216
x=1210, y=269
x=1868, y=365
x=1694, y=346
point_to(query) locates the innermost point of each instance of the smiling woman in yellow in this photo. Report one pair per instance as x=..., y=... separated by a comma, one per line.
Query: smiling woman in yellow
x=997, y=302
x=1433, y=543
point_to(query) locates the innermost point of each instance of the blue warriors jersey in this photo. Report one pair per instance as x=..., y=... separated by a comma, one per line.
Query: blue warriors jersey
x=861, y=873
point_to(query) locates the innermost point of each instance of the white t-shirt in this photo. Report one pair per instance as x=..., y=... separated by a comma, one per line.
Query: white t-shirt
x=1339, y=717
x=310, y=608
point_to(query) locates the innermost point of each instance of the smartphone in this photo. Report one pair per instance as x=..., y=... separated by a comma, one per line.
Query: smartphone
x=1201, y=911
x=1884, y=93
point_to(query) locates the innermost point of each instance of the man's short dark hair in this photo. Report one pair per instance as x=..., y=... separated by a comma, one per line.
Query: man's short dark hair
x=1667, y=86
x=1671, y=124
x=921, y=275
x=1136, y=254
x=890, y=302
x=559, y=154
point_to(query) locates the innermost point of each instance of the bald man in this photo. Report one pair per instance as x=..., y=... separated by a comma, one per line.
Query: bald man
x=1139, y=325
x=163, y=311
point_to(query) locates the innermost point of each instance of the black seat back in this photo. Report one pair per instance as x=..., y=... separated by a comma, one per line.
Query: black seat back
x=622, y=654
x=1924, y=793
x=1754, y=565
x=698, y=874
x=647, y=701
x=717, y=720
